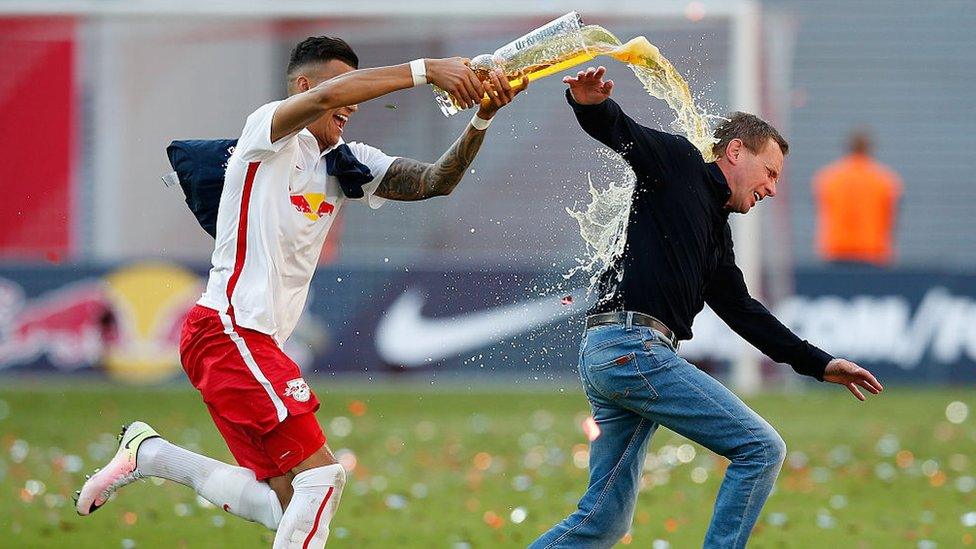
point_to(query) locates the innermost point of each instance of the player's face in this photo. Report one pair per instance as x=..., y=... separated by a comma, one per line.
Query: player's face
x=328, y=128
x=754, y=176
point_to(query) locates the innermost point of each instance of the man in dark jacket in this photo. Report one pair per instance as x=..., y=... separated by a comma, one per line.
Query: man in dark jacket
x=678, y=256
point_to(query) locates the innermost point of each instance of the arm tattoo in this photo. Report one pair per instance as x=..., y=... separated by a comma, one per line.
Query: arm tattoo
x=408, y=179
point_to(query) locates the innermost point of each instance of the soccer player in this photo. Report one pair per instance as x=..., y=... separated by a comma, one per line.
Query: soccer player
x=678, y=256
x=290, y=173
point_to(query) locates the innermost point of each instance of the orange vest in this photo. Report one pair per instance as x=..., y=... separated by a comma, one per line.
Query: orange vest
x=856, y=201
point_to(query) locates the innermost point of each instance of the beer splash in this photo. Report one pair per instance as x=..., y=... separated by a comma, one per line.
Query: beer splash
x=603, y=221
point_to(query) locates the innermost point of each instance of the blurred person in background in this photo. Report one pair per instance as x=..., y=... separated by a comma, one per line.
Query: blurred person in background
x=857, y=204
x=678, y=256
x=285, y=182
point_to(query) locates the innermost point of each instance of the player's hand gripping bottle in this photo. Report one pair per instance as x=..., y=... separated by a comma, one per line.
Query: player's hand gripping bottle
x=555, y=46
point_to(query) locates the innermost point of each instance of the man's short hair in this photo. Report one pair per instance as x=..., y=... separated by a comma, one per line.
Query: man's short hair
x=320, y=49
x=752, y=130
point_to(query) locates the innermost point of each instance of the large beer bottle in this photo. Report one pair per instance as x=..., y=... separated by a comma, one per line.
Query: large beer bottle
x=555, y=46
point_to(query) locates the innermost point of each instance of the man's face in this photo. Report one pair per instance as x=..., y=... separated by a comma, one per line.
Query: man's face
x=328, y=128
x=753, y=176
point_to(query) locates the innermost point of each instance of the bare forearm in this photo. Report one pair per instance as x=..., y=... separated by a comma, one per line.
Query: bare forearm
x=362, y=85
x=300, y=110
x=446, y=173
x=408, y=179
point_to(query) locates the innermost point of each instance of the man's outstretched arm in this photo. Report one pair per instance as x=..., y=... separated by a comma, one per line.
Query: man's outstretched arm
x=728, y=296
x=408, y=179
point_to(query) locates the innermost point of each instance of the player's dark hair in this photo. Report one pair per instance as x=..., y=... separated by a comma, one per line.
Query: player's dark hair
x=752, y=130
x=320, y=49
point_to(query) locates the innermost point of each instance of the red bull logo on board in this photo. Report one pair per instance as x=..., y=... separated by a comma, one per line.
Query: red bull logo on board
x=127, y=322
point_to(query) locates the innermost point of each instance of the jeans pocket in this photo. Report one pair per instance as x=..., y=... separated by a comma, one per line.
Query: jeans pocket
x=622, y=381
x=619, y=361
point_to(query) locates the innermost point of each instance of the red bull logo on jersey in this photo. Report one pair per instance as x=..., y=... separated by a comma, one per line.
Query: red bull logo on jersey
x=313, y=205
x=127, y=322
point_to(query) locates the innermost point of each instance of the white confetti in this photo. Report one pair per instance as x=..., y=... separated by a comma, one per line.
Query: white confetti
x=956, y=412
x=518, y=515
x=396, y=501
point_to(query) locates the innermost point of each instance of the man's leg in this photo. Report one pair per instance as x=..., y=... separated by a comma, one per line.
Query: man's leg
x=312, y=497
x=605, y=512
x=695, y=405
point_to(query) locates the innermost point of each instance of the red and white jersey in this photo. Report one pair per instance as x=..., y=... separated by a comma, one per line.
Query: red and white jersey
x=276, y=208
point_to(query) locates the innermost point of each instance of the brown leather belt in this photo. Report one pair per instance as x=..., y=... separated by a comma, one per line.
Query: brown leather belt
x=638, y=319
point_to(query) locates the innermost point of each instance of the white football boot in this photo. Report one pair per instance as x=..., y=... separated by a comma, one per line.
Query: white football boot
x=120, y=471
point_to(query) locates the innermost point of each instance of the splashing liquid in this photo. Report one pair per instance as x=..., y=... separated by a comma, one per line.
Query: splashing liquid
x=603, y=222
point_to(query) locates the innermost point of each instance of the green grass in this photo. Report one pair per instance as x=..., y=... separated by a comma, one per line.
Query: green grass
x=418, y=482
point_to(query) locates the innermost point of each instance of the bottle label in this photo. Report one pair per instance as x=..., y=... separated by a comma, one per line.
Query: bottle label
x=569, y=23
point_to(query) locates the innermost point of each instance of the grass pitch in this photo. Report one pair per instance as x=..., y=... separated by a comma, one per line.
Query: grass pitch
x=494, y=467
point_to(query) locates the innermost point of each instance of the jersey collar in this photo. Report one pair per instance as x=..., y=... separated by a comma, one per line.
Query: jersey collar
x=308, y=135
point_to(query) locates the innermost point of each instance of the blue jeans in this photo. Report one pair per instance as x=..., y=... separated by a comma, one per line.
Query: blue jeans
x=635, y=382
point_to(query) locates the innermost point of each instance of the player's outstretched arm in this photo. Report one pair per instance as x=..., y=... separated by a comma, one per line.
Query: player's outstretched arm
x=846, y=373
x=298, y=111
x=408, y=179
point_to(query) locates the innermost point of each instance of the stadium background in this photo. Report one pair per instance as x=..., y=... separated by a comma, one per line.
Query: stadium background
x=98, y=259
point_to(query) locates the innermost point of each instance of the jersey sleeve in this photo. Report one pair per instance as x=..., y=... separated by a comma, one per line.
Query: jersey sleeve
x=378, y=162
x=255, y=142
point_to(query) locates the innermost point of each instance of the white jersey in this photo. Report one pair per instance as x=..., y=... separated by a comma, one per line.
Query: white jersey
x=275, y=211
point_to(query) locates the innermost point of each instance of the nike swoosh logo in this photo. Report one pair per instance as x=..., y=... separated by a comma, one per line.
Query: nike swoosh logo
x=128, y=445
x=405, y=337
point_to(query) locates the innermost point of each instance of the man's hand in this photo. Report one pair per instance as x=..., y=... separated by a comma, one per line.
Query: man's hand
x=846, y=373
x=500, y=93
x=454, y=75
x=588, y=88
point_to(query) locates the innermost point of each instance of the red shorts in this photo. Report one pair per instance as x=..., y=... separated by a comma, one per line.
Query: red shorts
x=256, y=394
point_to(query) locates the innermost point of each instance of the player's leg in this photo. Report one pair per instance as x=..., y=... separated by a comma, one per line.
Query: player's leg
x=695, y=405
x=143, y=453
x=253, y=387
x=282, y=487
x=316, y=484
x=236, y=490
x=605, y=512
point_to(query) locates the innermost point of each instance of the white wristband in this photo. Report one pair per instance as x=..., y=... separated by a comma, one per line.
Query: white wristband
x=480, y=123
x=418, y=70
